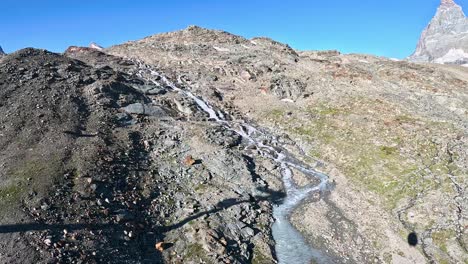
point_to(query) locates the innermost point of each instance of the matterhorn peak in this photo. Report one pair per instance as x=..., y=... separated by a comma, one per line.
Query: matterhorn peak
x=447, y=3
x=95, y=46
x=445, y=39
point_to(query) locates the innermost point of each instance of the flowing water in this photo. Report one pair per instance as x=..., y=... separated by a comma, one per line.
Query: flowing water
x=290, y=246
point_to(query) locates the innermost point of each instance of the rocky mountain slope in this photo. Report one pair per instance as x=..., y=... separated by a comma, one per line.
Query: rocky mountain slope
x=445, y=40
x=178, y=148
x=391, y=135
x=2, y=53
x=100, y=165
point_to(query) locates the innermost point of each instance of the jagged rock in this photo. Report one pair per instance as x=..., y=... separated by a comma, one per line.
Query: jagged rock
x=445, y=40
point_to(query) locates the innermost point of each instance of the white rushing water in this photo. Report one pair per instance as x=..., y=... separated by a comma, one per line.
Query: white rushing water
x=290, y=246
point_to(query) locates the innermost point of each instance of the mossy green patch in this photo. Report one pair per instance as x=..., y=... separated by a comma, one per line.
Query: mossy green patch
x=440, y=238
x=196, y=252
x=386, y=151
x=259, y=257
x=38, y=173
x=385, y=160
x=277, y=113
x=10, y=193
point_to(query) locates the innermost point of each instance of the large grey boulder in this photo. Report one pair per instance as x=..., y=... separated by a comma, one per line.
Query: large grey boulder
x=445, y=40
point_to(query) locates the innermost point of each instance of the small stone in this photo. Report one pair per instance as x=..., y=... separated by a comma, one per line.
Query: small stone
x=123, y=216
x=47, y=241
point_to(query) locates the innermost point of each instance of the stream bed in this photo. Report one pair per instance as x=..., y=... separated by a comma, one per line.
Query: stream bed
x=290, y=245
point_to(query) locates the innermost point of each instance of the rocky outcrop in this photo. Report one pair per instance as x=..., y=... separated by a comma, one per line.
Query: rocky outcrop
x=95, y=46
x=445, y=40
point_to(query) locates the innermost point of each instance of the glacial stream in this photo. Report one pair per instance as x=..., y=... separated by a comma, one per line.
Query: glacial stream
x=290, y=245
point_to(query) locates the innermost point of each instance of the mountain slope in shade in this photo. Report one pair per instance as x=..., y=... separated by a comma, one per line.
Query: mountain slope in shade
x=1, y=51
x=445, y=40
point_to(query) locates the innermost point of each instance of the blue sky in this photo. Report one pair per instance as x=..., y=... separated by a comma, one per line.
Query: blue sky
x=387, y=28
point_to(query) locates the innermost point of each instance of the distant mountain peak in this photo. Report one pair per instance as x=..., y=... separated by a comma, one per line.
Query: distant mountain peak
x=1, y=51
x=445, y=39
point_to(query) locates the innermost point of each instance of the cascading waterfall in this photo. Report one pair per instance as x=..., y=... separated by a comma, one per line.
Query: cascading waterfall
x=291, y=247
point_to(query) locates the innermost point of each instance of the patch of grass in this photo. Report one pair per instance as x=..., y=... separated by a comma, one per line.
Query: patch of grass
x=36, y=169
x=315, y=153
x=326, y=110
x=259, y=257
x=195, y=252
x=386, y=151
x=383, y=158
x=440, y=238
x=38, y=173
x=201, y=188
x=10, y=193
x=276, y=113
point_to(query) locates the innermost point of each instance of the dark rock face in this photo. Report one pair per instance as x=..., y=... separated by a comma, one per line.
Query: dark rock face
x=445, y=40
x=1, y=51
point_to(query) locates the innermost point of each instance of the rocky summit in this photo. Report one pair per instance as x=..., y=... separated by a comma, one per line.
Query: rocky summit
x=445, y=40
x=95, y=46
x=200, y=146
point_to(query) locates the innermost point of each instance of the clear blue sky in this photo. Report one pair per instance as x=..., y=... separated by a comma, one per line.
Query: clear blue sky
x=387, y=28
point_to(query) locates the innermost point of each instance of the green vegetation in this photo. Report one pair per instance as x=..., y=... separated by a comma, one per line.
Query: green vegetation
x=440, y=238
x=10, y=193
x=371, y=151
x=259, y=257
x=38, y=173
x=195, y=252
x=277, y=113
